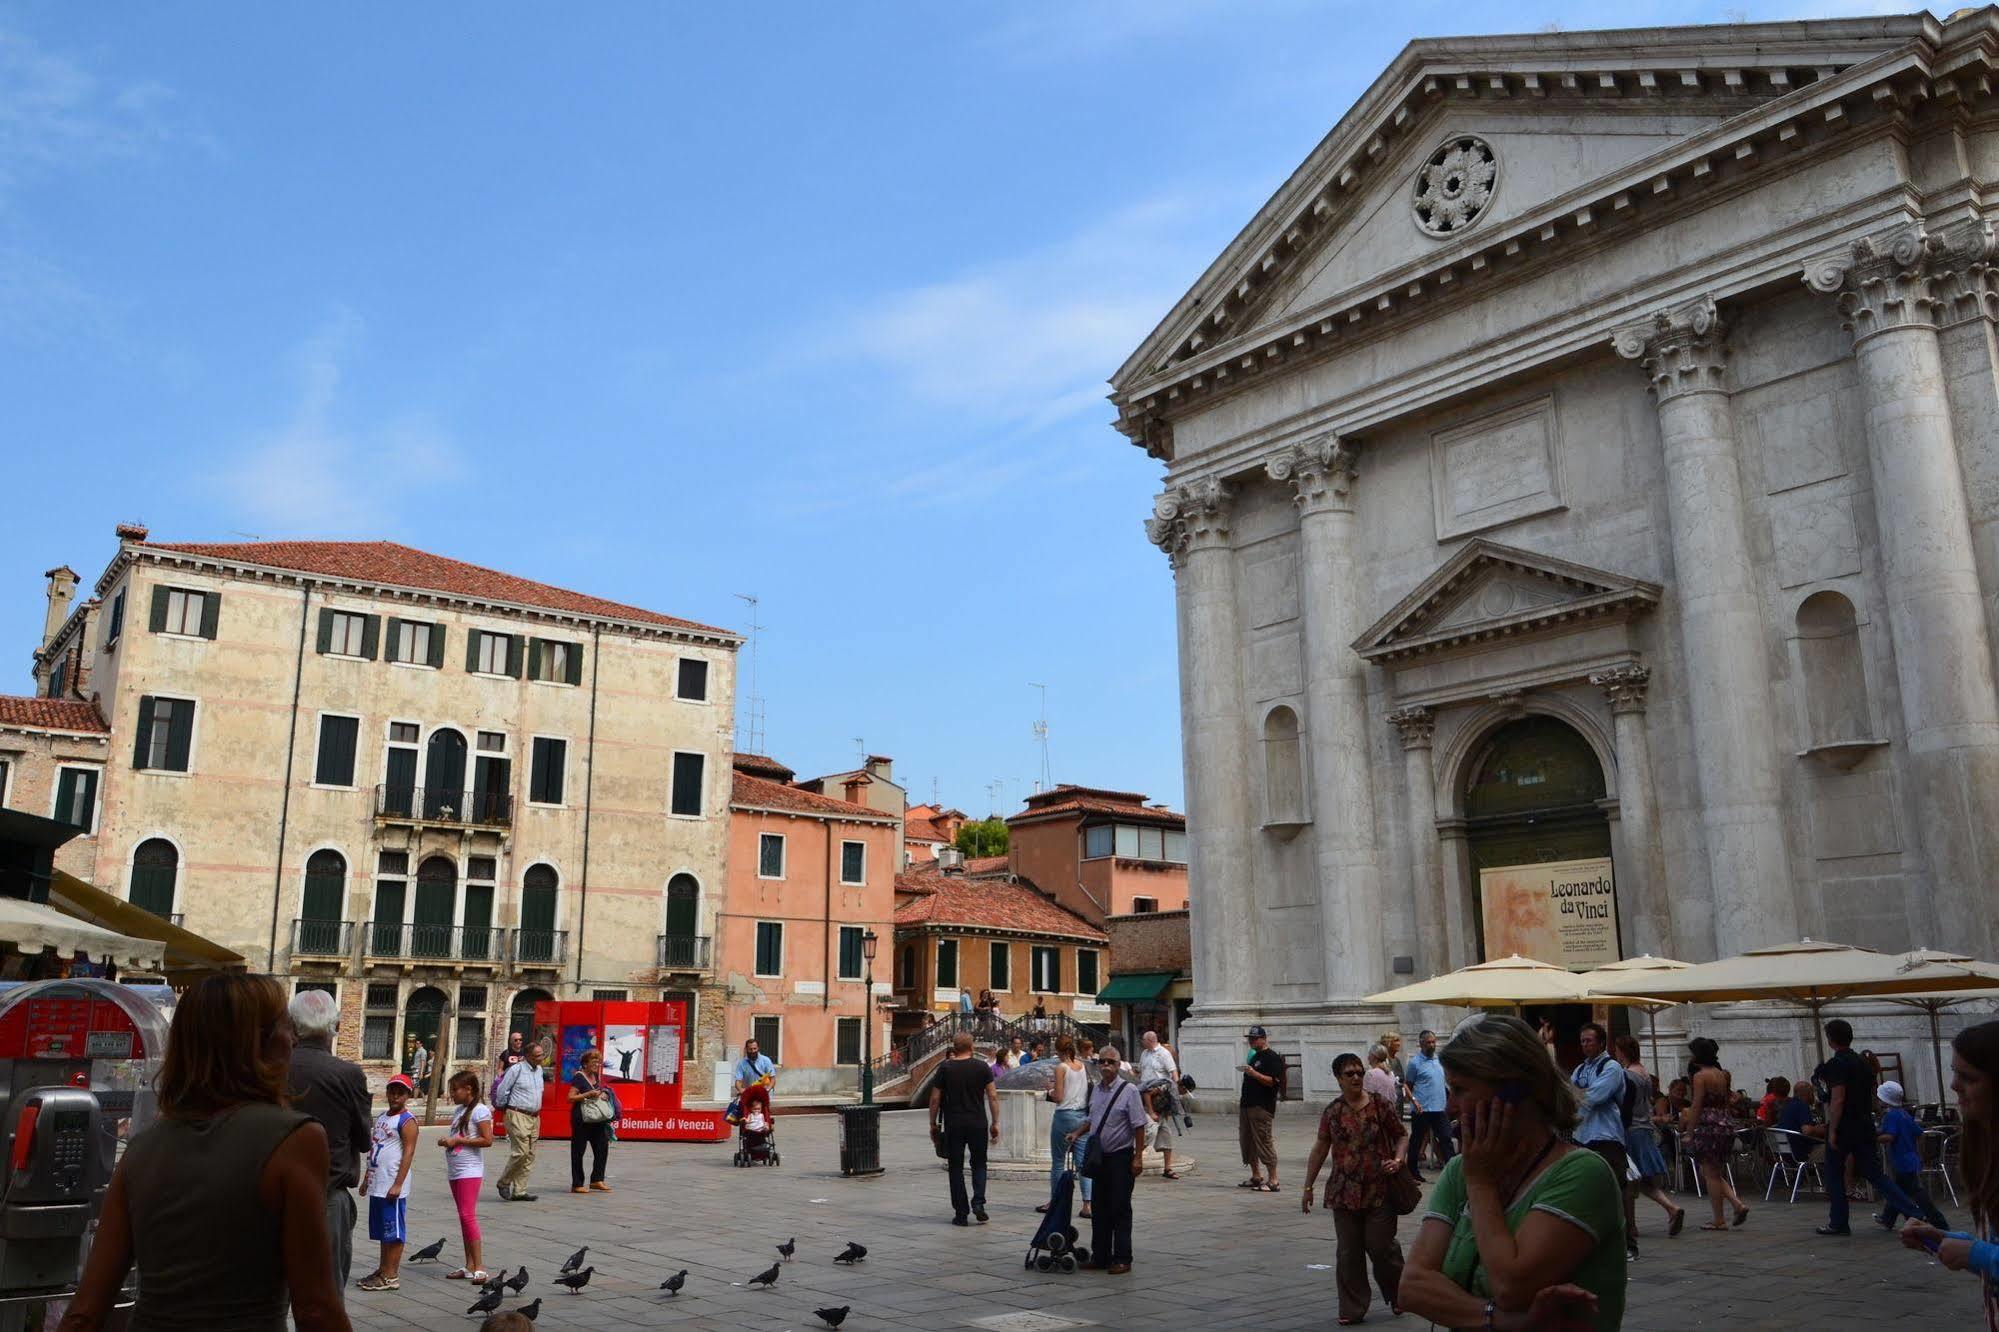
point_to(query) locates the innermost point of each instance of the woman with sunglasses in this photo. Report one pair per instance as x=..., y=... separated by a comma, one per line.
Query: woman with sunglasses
x=1364, y=1138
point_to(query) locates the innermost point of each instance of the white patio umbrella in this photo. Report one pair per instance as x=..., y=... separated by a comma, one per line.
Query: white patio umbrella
x=1507, y=982
x=1949, y=964
x=1613, y=973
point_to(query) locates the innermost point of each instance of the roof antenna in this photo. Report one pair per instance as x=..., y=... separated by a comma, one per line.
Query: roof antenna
x=861, y=748
x=750, y=720
x=1046, y=782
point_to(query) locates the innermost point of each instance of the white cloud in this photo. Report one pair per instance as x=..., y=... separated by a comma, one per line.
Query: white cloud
x=54, y=113
x=315, y=475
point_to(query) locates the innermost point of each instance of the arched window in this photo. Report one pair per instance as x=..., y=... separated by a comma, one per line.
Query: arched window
x=155, y=869
x=537, y=931
x=423, y=1018
x=436, y=907
x=1834, y=680
x=323, y=903
x=680, y=944
x=1536, y=763
x=1283, y=770
x=520, y=1016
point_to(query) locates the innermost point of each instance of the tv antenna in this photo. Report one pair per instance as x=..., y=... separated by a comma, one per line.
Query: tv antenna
x=994, y=789
x=750, y=736
x=1047, y=781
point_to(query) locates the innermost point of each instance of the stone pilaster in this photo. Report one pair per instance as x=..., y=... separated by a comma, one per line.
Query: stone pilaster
x=1321, y=476
x=1721, y=620
x=1417, y=726
x=1892, y=291
x=1641, y=872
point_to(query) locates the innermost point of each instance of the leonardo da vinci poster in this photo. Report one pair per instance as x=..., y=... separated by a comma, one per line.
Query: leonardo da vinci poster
x=1564, y=912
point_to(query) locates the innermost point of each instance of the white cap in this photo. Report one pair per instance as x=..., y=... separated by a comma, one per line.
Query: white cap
x=1890, y=1093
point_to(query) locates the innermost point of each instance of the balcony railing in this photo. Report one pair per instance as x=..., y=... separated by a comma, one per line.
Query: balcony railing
x=437, y=943
x=540, y=948
x=439, y=804
x=684, y=952
x=322, y=938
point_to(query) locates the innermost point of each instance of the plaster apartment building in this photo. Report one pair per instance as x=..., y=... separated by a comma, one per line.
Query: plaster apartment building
x=810, y=878
x=431, y=788
x=1100, y=853
x=926, y=830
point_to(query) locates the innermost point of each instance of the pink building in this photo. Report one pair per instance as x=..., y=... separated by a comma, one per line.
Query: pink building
x=1101, y=853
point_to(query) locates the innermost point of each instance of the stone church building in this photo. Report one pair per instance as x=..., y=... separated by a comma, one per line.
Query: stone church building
x=1590, y=458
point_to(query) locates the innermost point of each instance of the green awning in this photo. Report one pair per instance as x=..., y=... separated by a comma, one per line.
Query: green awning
x=1135, y=988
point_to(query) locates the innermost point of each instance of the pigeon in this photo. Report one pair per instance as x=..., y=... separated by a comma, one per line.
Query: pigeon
x=766, y=1279
x=518, y=1282
x=576, y=1281
x=854, y=1253
x=496, y=1282
x=487, y=1303
x=673, y=1283
x=428, y=1255
x=788, y=1248
x=833, y=1317
x=575, y=1260
x=530, y=1311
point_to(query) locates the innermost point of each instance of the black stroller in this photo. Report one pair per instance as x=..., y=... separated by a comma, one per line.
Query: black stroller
x=1054, y=1246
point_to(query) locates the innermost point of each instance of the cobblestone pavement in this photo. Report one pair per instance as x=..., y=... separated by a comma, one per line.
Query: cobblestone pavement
x=1209, y=1255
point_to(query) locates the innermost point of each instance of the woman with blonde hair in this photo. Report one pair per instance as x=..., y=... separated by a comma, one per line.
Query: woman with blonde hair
x=1974, y=1078
x=1071, y=1094
x=1524, y=1229
x=222, y=1202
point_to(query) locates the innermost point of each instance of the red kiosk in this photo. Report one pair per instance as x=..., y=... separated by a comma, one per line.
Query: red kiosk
x=641, y=1044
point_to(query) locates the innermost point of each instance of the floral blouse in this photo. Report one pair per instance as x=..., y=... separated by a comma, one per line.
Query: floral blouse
x=1362, y=1137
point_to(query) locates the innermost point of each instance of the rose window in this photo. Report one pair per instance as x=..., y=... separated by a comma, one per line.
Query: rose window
x=1454, y=188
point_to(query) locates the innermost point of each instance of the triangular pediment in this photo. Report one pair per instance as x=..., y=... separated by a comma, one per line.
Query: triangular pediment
x=1489, y=591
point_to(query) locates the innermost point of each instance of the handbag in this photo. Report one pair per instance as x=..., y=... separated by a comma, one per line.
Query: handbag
x=1093, y=1151
x=597, y=1110
x=1405, y=1195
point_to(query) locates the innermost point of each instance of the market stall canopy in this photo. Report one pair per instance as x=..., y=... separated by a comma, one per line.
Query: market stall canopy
x=34, y=926
x=183, y=951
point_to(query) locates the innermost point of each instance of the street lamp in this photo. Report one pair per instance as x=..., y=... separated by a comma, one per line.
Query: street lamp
x=868, y=942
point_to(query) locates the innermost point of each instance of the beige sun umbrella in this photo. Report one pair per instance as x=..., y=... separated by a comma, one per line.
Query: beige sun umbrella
x=1623, y=972
x=1505, y=982
x=1932, y=1004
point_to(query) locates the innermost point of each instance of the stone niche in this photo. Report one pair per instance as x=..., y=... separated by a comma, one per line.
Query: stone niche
x=1496, y=468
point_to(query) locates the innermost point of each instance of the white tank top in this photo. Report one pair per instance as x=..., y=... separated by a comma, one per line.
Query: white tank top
x=1075, y=1087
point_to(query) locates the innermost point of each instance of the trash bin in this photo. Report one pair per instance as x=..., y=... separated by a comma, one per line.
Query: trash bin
x=860, y=1140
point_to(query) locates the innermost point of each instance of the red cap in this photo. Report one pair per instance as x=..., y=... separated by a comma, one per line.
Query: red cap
x=402, y=1080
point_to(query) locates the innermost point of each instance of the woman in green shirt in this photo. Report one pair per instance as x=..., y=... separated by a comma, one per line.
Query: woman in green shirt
x=1524, y=1229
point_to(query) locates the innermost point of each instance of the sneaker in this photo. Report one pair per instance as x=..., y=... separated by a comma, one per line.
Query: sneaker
x=1883, y=1222
x=1631, y=1253
x=1832, y=1230
x=524, y=1197
x=377, y=1281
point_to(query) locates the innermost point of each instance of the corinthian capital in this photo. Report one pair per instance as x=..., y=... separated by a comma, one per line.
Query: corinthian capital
x=1905, y=278
x=1190, y=517
x=1682, y=350
x=1624, y=686
x=1416, y=724
x=1320, y=471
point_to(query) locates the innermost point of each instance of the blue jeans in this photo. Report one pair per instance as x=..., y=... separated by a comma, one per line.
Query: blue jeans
x=1062, y=1156
x=1870, y=1170
x=1911, y=1183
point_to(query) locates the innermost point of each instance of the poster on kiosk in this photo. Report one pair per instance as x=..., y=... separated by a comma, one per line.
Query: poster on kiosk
x=641, y=1044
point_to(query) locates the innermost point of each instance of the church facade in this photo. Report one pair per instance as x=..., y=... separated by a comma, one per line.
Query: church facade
x=1582, y=495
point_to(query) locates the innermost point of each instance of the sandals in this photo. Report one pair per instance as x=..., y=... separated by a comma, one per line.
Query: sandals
x=1270, y=1187
x=376, y=1281
x=1741, y=1215
x=1709, y=1225
x=1250, y=1184
x=1169, y=1174
x=1674, y=1226
x=458, y=1275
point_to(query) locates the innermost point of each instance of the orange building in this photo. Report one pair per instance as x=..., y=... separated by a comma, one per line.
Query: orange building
x=956, y=934
x=1101, y=853
x=926, y=830
x=809, y=876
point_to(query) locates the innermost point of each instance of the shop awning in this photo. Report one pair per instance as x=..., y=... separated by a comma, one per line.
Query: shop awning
x=185, y=951
x=33, y=926
x=1135, y=987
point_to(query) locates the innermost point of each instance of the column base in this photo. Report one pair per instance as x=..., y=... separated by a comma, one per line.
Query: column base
x=1212, y=1043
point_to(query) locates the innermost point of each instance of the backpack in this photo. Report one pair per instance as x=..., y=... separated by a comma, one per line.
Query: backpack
x=1629, y=1102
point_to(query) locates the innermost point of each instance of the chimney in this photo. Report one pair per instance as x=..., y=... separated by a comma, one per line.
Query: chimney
x=62, y=587
x=856, y=790
x=880, y=766
x=950, y=860
x=132, y=531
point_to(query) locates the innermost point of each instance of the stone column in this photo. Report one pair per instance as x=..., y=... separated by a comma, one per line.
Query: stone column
x=1721, y=627
x=1891, y=294
x=1641, y=876
x=1191, y=524
x=1321, y=476
x=1416, y=726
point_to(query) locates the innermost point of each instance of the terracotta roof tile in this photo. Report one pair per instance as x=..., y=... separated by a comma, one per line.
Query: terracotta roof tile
x=923, y=830
x=981, y=865
x=762, y=794
x=54, y=714
x=762, y=765
x=1063, y=791
x=390, y=563
x=1092, y=803
x=990, y=904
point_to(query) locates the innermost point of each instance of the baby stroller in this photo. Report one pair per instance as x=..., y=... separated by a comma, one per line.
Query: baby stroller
x=1054, y=1246
x=756, y=1146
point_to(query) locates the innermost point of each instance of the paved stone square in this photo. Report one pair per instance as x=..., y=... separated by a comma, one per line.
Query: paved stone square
x=1209, y=1255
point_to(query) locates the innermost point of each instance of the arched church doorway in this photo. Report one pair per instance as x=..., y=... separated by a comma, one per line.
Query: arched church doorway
x=1534, y=799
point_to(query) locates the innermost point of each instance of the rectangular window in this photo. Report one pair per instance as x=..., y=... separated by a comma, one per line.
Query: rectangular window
x=1127, y=841
x=378, y=1025
x=402, y=733
x=555, y=662
x=770, y=948
x=853, y=862
x=947, y=964
x=847, y=1040
x=1002, y=967
x=1176, y=847
x=1141, y=905
x=6, y=771
x=184, y=612
x=610, y=996
x=492, y=742
x=470, y=1041
x=1151, y=844
x=324, y=987
x=687, y=1028
x=115, y=624
x=770, y=856
x=1097, y=842
x=489, y=653
x=692, y=682
x=688, y=770
x=165, y=734
x=768, y=1032
x=851, y=960
x=1086, y=973
x=347, y=634
x=1045, y=971
x=545, y=772
x=413, y=643
x=76, y=798
x=338, y=737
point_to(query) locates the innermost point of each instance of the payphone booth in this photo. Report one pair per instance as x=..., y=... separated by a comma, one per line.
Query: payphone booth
x=641, y=1044
x=78, y=1060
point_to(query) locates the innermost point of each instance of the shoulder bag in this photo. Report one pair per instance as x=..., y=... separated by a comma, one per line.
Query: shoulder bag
x=1405, y=1195
x=1093, y=1151
x=598, y=1109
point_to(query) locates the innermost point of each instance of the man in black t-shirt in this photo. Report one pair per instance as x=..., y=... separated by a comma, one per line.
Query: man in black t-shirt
x=964, y=1114
x=1849, y=1081
x=1256, y=1113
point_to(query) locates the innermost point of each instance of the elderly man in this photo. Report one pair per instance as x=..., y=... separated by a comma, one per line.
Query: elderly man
x=518, y=1098
x=335, y=1093
x=1117, y=1120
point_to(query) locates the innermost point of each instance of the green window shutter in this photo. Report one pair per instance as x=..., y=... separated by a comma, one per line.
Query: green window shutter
x=211, y=613
x=534, y=658
x=145, y=734
x=472, y=637
x=389, y=643
x=325, y=630
x=514, y=655
x=180, y=733
x=437, y=645
x=157, y=618
x=576, y=664
x=370, y=635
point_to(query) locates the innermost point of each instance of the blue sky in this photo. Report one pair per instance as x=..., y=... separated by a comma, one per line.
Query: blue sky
x=669, y=303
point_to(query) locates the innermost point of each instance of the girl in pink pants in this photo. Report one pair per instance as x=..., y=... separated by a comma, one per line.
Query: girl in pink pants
x=465, y=1166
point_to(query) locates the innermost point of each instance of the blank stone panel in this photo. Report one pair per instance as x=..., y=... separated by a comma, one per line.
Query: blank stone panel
x=1496, y=469
x=1798, y=434
x=1270, y=589
x=1274, y=667
x=1813, y=536
x=1853, y=814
